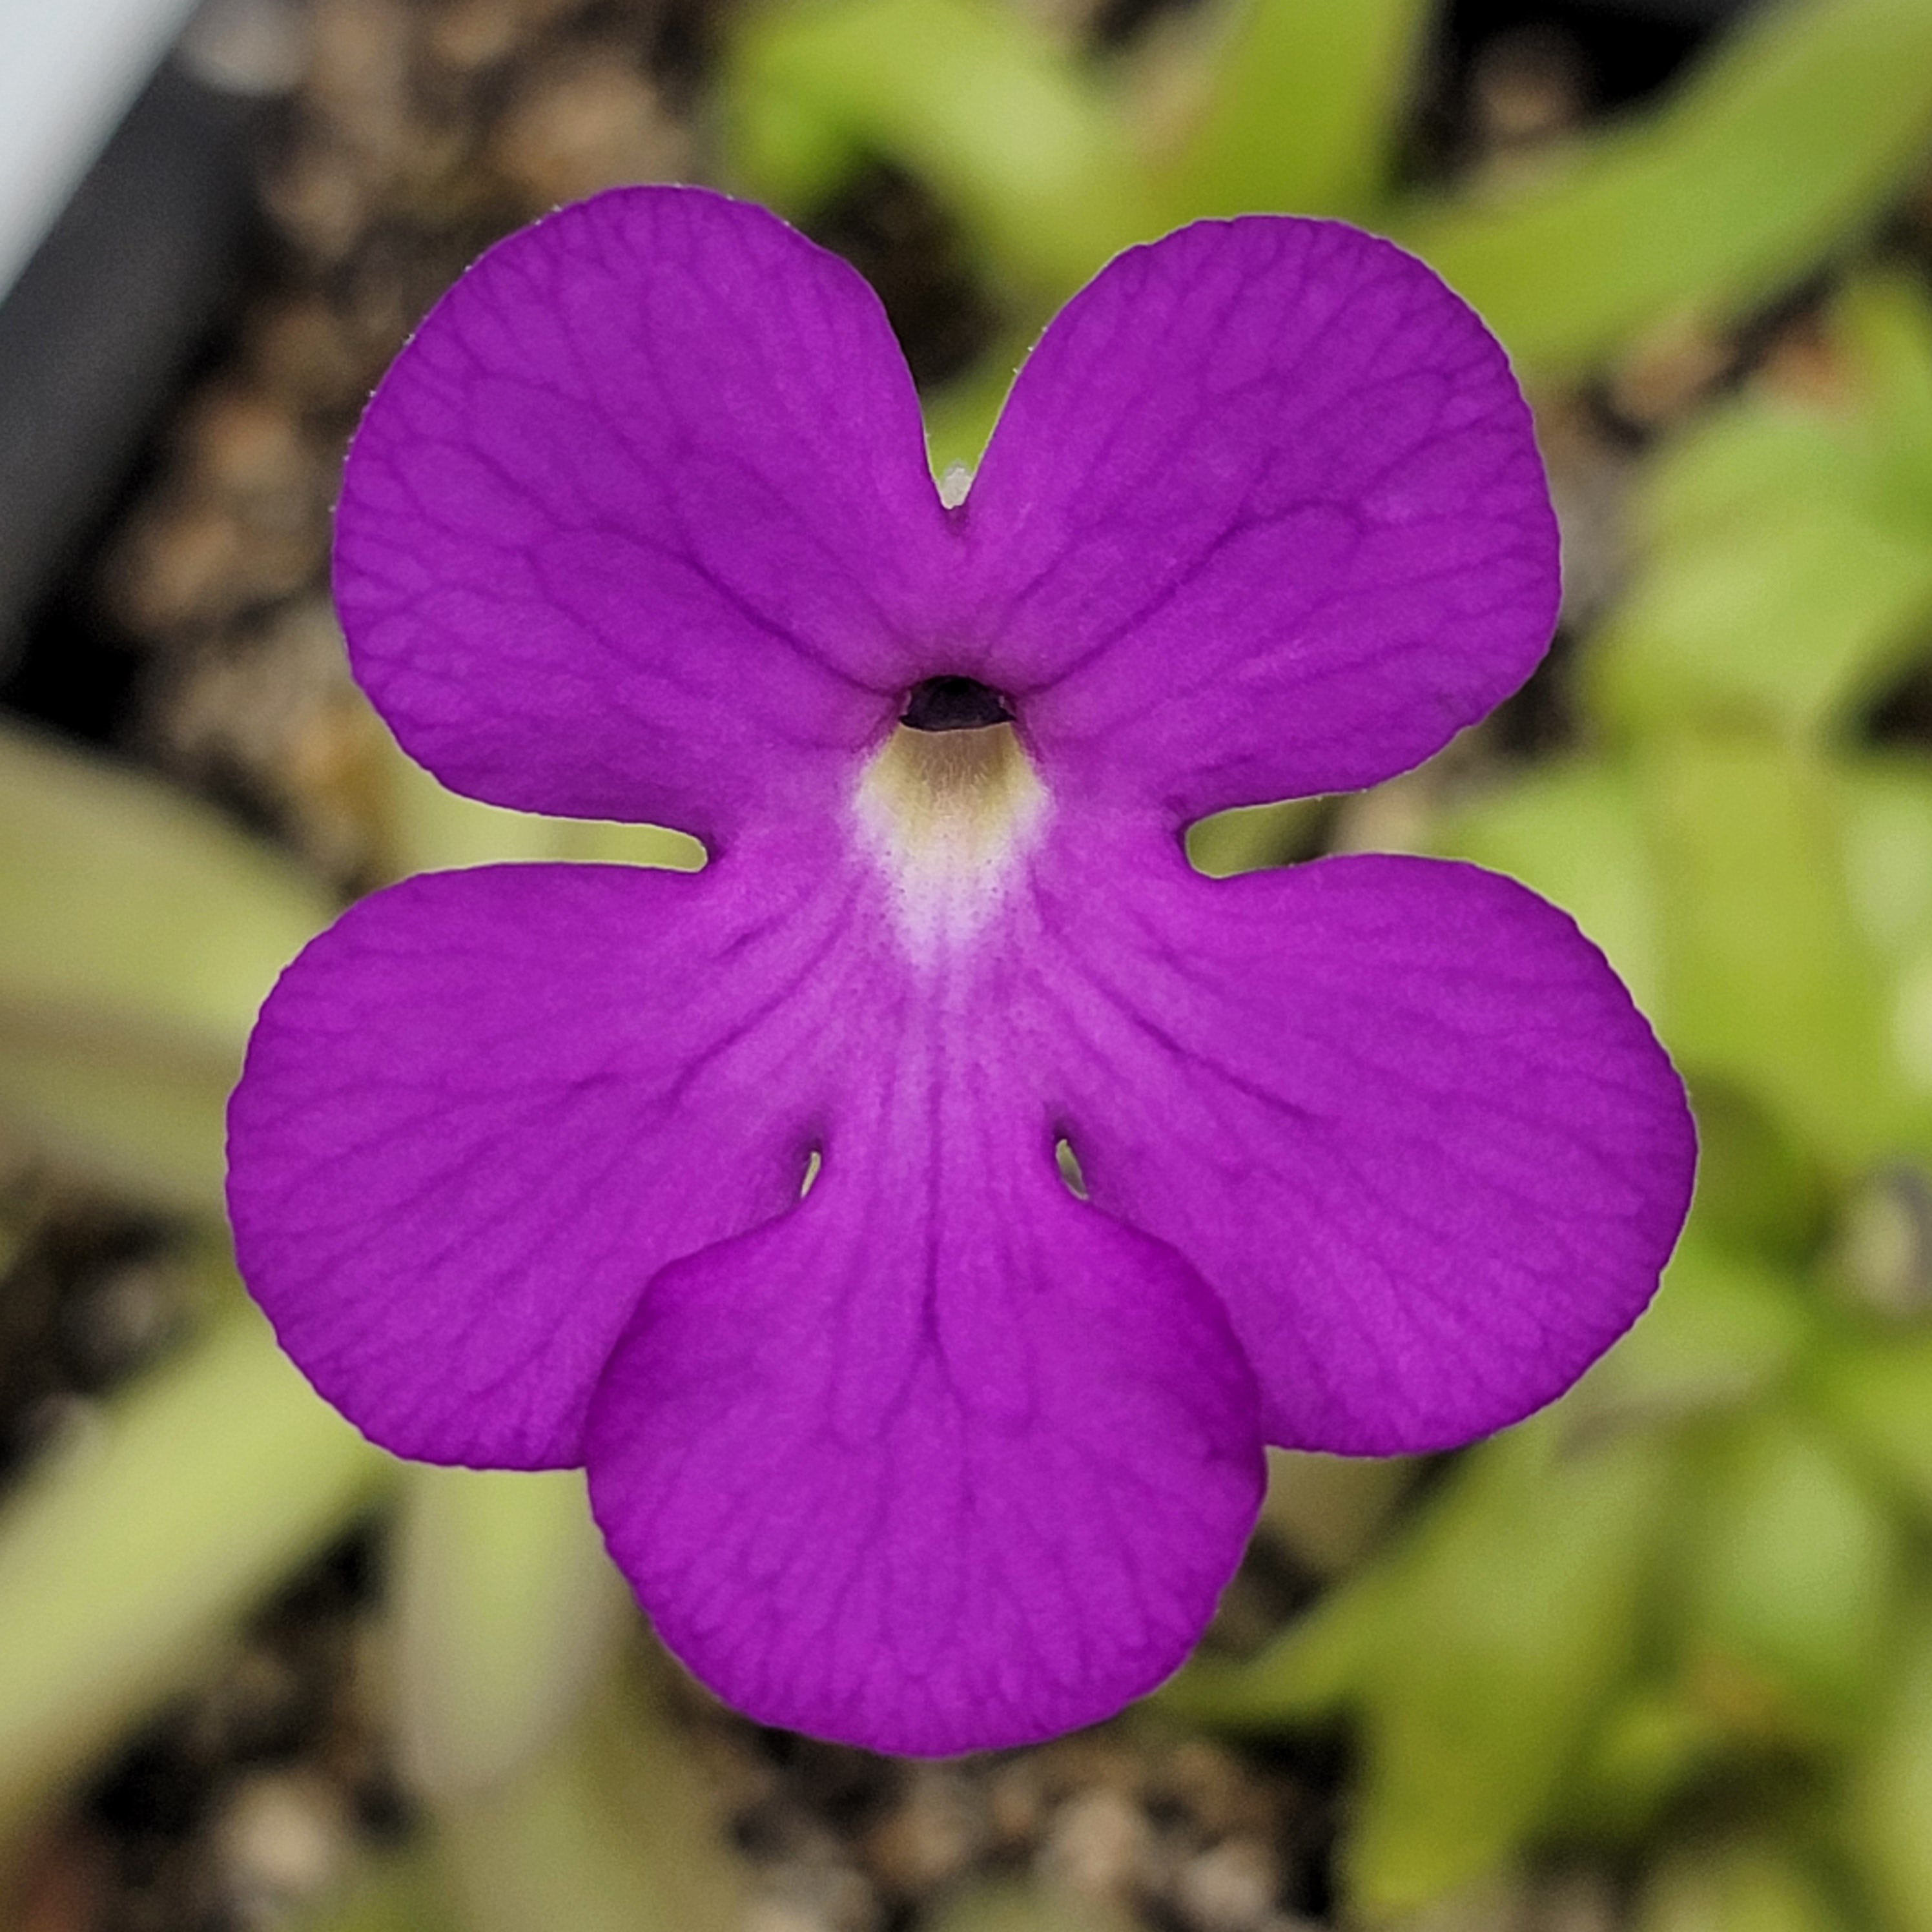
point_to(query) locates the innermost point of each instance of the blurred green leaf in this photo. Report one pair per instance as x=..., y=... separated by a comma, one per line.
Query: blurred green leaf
x=1758, y=1194
x=1756, y=448
x=1788, y=544
x=1798, y=129
x=1653, y=1743
x=139, y=934
x=431, y=828
x=960, y=415
x=1883, y=320
x=1767, y=980
x=968, y=94
x=1888, y=1798
x=1887, y=819
x=123, y=897
x=1478, y=1650
x=145, y=1115
x=1856, y=432
x=1316, y=1666
x=1006, y=1906
x=1250, y=837
x=563, y=1796
x=1794, y=619
x=127, y=1555
x=1759, y=1886
x=1788, y=541
x=1791, y=1574
x=1571, y=830
x=1306, y=107
x=606, y=1830
x=1887, y=816
x=1724, y=1328
x=1330, y=1510
x=1889, y=870
x=506, y=1610
x=391, y=1894
x=1877, y=1391
x=1500, y=1647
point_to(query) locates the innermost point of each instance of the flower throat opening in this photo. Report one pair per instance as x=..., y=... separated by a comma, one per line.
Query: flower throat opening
x=953, y=704
x=946, y=804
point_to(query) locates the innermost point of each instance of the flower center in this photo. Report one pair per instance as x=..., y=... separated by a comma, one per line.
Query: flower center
x=953, y=704
x=946, y=805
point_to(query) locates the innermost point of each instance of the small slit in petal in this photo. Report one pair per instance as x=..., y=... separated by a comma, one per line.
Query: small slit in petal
x=813, y=1162
x=1069, y=1164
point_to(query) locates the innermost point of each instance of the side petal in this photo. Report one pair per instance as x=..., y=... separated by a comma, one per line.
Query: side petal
x=1401, y=1114
x=1263, y=516
x=929, y=1467
x=481, y=1111
x=633, y=526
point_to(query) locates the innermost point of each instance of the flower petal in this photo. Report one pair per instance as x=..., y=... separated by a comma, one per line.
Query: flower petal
x=634, y=527
x=1263, y=518
x=485, y=1108
x=1399, y=1112
x=945, y=1460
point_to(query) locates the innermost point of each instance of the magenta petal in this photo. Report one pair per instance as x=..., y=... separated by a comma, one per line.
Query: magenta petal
x=929, y=1469
x=1402, y=1115
x=636, y=526
x=1264, y=516
x=485, y=1108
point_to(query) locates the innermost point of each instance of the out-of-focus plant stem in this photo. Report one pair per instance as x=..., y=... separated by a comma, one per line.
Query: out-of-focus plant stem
x=561, y=1795
x=140, y=933
x=1303, y=117
x=127, y=1557
x=967, y=93
x=603, y=1831
x=1799, y=127
x=505, y=1611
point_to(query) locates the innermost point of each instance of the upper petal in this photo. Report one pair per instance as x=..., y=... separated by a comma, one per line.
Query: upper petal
x=1263, y=516
x=1400, y=1113
x=481, y=1111
x=639, y=525
x=945, y=1460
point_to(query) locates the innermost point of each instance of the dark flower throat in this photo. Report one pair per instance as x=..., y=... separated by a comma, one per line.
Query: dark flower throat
x=953, y=704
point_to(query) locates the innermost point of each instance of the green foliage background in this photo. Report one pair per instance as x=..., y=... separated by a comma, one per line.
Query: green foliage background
x=1680, y=1624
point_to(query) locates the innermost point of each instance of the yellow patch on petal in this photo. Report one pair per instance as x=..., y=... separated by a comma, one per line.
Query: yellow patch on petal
x=947, y=814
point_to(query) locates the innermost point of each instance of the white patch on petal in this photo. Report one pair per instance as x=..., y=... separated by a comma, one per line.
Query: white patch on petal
x=947, y=815
x=955, y=480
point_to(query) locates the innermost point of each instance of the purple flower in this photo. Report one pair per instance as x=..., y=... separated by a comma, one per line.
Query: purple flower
x=1381, y=1156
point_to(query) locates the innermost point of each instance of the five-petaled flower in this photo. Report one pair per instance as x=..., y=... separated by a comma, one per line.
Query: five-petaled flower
x=933, y=1454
